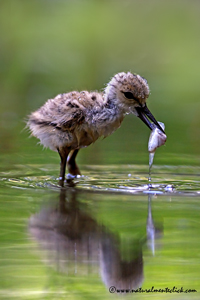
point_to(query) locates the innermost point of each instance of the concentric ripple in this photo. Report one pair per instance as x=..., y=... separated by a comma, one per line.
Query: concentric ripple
x=110, y=178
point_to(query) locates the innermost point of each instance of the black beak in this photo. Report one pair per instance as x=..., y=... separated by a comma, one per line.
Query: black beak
x=145, y=115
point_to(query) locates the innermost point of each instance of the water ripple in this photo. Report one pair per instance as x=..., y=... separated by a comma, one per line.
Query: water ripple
x=111, y=178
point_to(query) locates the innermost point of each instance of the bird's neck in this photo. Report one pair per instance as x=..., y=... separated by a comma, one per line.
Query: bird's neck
x=107, y=118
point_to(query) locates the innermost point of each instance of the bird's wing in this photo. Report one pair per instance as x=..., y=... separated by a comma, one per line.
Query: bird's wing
x=70, y=121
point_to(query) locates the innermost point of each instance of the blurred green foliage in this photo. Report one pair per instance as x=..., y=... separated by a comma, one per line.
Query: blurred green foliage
x=49, y=47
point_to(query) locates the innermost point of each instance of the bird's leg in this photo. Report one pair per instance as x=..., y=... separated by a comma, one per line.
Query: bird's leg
x=63, y=152
x=72, y=166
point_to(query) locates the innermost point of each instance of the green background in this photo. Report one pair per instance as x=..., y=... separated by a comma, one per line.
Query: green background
x=51, y=47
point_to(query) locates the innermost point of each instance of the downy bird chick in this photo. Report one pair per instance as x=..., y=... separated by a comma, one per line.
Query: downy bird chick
x=74, y=120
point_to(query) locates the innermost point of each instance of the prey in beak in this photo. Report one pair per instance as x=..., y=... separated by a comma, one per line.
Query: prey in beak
x=146, y=116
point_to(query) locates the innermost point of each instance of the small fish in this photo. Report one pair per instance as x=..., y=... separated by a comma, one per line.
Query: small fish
x=157, y=138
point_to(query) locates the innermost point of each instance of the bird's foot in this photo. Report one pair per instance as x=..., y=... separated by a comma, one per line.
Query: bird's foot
x=69, y=181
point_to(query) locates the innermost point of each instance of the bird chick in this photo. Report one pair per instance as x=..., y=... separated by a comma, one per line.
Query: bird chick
x=74, y=120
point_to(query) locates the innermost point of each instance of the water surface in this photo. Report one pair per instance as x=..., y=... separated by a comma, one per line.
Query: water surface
x=112, y=228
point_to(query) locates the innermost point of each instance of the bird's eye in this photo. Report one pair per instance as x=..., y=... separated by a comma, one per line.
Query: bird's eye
x=128, y=95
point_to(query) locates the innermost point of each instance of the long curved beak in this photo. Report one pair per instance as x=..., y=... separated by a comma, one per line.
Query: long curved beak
x=146, y=116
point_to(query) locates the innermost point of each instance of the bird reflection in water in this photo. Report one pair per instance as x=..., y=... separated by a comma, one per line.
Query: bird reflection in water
x=74, y=242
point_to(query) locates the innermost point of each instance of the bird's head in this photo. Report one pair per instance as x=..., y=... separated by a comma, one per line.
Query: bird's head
x=130, y=92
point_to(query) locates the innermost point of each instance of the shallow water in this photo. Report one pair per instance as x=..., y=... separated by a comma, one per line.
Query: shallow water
x=112, y=228
x=131, y=179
